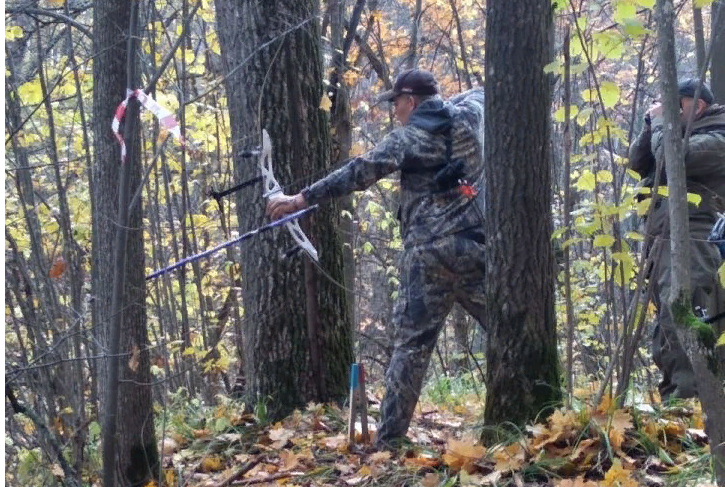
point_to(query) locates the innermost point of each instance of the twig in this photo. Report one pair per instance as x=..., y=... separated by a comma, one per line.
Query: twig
x=259, y=480
x=68, y=472
x=240, y=473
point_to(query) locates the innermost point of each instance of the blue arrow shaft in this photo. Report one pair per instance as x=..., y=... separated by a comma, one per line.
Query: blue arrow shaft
x=249, y=234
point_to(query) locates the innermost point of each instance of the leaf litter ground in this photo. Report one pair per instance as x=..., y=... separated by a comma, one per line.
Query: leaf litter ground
x=586, y=447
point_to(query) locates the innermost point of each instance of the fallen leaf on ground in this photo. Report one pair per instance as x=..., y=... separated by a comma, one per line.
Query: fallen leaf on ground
x=461, y=455
x=431, y=480
x=289, y=460
x=379, y=457
x=617, y=476
x=211, y=464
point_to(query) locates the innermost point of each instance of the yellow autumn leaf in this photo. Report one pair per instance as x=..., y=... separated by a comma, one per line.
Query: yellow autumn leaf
x=603, y=241
x=721, y=274
x=616, y=438
x=461, y=455
x=211, y=464
x=325, y=103
x=721, y=340
x=13, y=32
x=586, y=182
x=610, y=93
x=170, y=476
x=604, y=176
x=511, y=457
x=617, y=476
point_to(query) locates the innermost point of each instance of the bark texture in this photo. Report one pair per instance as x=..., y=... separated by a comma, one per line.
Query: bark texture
x=522, y=374
x=298, y=338
x=136, y=454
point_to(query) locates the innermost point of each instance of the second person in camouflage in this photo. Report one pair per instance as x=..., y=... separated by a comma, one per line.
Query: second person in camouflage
x=439, y=150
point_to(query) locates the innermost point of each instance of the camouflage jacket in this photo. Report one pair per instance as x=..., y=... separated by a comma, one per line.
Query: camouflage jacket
x=418, y=151
x=704, y=166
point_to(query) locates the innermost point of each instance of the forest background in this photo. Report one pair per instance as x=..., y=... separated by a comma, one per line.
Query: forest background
x=189, y=341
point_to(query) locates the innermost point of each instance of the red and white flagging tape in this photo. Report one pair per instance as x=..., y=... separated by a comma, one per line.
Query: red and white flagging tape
x=166, y=118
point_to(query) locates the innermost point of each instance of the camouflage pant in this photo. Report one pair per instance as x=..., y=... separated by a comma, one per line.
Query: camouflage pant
x=678, y=379
x=433, y=277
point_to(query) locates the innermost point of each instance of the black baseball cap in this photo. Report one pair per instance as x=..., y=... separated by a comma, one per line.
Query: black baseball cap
x=688, y=87
x=412, y=82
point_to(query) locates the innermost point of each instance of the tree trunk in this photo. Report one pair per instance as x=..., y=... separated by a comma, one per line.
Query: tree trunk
x=134, y=441
x=412, y=58
x=699, y=36
x=717, y=66
x=703, y=360
x=284, y=79
x=523, y=364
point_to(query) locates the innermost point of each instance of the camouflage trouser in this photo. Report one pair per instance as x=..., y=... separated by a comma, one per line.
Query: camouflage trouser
x=678, y=378
x=433, y=277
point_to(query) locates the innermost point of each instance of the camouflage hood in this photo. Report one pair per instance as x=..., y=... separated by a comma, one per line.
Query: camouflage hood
x=434, y=116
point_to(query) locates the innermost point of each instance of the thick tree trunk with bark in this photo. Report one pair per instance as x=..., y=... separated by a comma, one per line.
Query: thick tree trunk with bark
x=135, y=443
x=523, y=365
x=717, y=66
x=709, y=385
x=298, y=338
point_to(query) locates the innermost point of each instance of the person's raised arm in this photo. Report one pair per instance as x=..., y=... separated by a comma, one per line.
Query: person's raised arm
x=356, y=175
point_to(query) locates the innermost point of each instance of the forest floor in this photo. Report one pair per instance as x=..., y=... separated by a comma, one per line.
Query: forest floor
x=587, y=446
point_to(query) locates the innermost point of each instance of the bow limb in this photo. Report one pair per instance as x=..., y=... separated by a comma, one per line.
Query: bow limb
x=272, y=188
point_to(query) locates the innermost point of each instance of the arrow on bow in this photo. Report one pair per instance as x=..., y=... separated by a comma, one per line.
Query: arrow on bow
x=272, y=189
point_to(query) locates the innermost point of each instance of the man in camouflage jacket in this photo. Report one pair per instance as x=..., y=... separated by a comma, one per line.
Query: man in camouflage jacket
x=705, y=171
x=438, y=145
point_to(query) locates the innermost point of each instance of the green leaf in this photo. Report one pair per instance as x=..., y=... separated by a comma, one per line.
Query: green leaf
x=553, y=67
x=603, y=241
x=584, y=115
x=702, y=3
x=642, y=207
x=610, y=43
x=94, y=429
x=634, y=28
x=694, y=198
x=571, y=241
x=222, y=424
x=589, y=95
x=586, y=182
x=634, y=174
x=721, y=274
x=558, y=233
x=610, y=93
x=368, y=247
x=624, y=10
x=559, y=114
x=634, y=236
x=625, y=268
x=605, y=176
